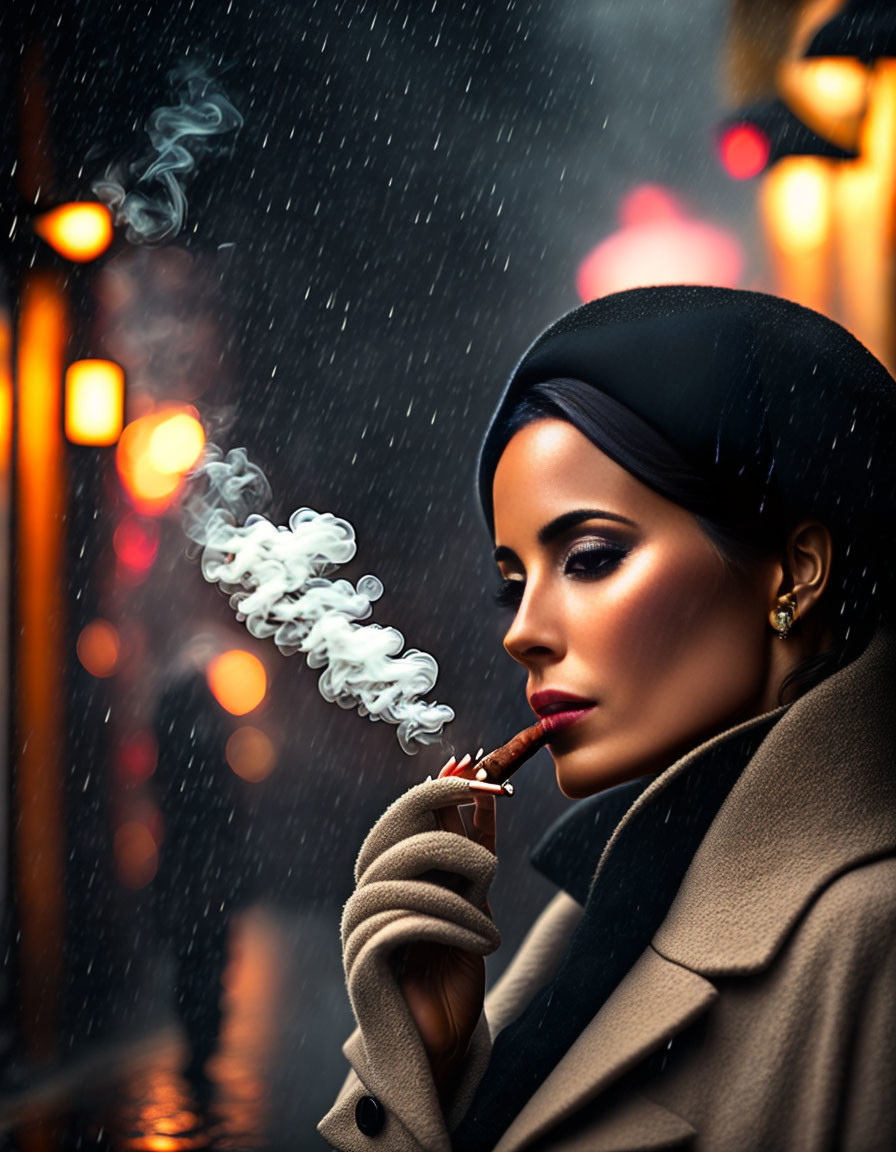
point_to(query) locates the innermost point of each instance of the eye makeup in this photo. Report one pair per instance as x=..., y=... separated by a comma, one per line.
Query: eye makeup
x=589, y=557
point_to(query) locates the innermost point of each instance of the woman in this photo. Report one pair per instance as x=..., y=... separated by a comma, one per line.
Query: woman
x=687, y=489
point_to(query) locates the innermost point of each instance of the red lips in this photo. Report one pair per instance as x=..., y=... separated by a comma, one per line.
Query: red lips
x=551, y=700
x=559, y=709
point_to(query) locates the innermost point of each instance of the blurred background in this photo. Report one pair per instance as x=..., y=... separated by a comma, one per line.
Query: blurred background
x=414, y=192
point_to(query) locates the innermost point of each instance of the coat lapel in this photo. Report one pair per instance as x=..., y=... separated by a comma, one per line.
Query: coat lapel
x=655, y=1001
x=817, y=798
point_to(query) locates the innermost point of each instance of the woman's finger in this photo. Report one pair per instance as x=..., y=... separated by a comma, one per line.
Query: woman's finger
x=460, y=768
x=450, y=820
x=484, y=826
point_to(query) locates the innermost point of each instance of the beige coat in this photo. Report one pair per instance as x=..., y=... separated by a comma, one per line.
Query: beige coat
x=763, y=1014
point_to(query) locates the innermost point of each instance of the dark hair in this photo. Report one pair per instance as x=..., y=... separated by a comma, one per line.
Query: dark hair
x=741, y=536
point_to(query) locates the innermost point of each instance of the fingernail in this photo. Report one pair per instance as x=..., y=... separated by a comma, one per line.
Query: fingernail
x=449, y=763
x=463, y=763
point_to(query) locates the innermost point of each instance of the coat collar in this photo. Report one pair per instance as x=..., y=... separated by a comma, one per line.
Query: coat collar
x=816, y=798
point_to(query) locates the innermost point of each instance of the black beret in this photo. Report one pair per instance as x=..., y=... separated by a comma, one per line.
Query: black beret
x=779, y=404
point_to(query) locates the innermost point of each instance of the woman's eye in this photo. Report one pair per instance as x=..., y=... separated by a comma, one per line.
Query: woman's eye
x=510, y=593
x=588, y=561
x=584, y=561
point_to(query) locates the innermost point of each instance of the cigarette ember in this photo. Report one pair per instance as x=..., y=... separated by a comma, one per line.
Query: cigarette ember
x=501, y=764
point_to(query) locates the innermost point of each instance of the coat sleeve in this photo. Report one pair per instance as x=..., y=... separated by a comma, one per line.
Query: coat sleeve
x=388, y=1063
x=390, y=1097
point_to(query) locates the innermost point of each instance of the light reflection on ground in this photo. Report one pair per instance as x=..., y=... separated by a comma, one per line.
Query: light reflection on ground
x=149, y=1106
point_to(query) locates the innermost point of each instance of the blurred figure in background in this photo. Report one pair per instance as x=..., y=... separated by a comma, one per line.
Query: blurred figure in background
x=202, y=877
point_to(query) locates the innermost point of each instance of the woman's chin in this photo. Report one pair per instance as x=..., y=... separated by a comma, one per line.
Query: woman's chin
x=582, y=771
x=577, y=774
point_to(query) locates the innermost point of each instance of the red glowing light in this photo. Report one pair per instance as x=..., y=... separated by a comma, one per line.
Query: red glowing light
x=136, y=757
x=659, y=243
x=649, y=204
x=136, y=542
x=744, y=150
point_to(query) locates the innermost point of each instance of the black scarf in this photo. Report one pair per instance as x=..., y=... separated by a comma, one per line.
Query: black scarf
x=624, y=907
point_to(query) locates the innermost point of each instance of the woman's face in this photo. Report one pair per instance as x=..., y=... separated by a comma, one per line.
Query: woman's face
x=622, y=603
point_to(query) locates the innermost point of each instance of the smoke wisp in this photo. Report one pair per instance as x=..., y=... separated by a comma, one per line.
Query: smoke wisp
x=154, y=208
x=277, y=579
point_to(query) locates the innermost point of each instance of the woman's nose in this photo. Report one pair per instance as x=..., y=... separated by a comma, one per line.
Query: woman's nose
x=536, y=635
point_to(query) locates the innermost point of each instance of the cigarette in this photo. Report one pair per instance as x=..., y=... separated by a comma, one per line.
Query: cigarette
x=500, y=765
x=505, y=789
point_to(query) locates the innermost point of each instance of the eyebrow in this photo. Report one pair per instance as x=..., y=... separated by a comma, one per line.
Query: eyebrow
x=561, y=524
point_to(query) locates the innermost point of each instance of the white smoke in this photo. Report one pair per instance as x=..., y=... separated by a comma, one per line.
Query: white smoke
x=277, y=578
x=156, y=206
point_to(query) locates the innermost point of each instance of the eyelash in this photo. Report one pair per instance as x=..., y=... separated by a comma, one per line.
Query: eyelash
x=510, y=592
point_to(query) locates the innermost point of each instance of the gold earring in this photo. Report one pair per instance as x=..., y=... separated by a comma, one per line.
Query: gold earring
x=783, y=614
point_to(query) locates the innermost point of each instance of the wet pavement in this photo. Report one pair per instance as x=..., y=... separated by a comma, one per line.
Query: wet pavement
x=268, y=1083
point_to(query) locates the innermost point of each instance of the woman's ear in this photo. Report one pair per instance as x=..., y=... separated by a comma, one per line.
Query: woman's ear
x=807, y=560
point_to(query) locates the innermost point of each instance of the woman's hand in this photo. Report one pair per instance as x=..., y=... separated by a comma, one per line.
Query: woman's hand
x=413, y=934
x=444, y=987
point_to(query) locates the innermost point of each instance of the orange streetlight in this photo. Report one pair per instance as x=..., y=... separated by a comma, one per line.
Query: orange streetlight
x=238, y=681
x=828, y=94
x=99, y=648
x=154, y=454
x=796, y=207
x=94, y=402
x=80, y=231
x=39, y=659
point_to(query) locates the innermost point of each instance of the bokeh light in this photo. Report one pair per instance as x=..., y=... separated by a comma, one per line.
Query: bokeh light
x=155, y=452
x=136, y=543
x=238, y=681
x=251, y=754
x=176, y=444
x=136, y=757
x=744, y=150
x=6, y=390
x=659, y=243
x=94, y=402
x=136, y=854
x=79, y=232
x=798, y=203
x=99, y=648
x=835, y=87
x=649, y=204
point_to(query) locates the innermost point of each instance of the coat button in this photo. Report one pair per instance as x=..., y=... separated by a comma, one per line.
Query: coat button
x=370, y=1116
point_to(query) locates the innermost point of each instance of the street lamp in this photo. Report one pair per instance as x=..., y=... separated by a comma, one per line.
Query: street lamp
x=79, y=232
x=862, y=37
x=94, y=402
x=829, y=94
